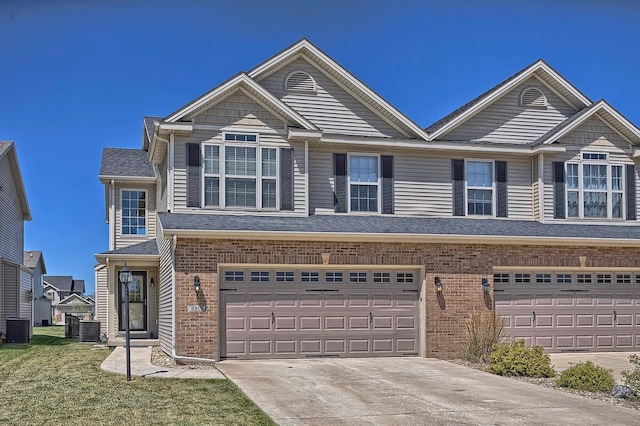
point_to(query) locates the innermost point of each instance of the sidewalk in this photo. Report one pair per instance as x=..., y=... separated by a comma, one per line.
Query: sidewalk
x=141, y=366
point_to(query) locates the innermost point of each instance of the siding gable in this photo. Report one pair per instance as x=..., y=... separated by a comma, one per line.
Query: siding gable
x=505, y=121
x=239, y=109
x=330, y=108
x=595, y=133
x=11, y=217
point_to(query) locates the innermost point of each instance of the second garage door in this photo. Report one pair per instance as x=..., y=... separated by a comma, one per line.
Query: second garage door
x=571, y=311
x=296, y=313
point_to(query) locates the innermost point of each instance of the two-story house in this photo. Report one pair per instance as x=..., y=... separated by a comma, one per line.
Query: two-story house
x=67, y=296
x=15, y=278
x=34, y=260
x=293, y=212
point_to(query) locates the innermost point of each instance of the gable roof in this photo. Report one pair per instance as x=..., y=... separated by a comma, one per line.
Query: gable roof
x=64, y=283
x=69, y=300
x=148, y=125
x=146, y=249
x=31, y=258
x=344, y=78
x=618, y=122
x=126, y=163
x=8, y=149
x=554, y=80
x=241, y=81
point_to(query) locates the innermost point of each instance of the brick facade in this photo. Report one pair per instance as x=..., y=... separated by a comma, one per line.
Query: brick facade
x=460, y=267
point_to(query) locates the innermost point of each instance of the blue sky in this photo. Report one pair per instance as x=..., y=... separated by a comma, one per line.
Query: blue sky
x=77, y=76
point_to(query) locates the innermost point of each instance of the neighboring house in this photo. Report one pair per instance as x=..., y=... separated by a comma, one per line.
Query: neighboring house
x=58, y=289
x=34, y=260
x=15, y=279
x=292, y=212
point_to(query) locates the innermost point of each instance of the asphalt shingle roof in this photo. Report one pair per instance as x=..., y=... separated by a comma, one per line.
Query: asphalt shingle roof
x=393, y=225
x=65, y=283
x=4, y=147
x=125, y=162
x=148, y=124
x=145, y=248
x=30, y=258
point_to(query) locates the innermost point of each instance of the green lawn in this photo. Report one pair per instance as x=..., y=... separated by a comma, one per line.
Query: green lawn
x=54, y=381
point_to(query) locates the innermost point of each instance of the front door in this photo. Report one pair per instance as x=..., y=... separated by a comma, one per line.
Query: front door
x=137, y=303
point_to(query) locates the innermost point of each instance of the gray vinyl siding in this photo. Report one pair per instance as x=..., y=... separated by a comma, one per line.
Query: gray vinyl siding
x=593, y=133
x=41, y=307
x=505, y=121
x=535, y=188
x=25, y=296
x=127, y=240
x=10, y=305
x=422, y=183
x=239, y=109
x=152, y=301
x=102, y=297
x=165, y=297
x=213, y=137
x=11, y=221
x=161, y=186
x=331, y=109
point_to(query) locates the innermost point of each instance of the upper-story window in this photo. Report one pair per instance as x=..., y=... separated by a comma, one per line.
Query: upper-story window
x=364, y=185
x=237, y=175
x=595, y=188
x=480, y=187
x=134, y=212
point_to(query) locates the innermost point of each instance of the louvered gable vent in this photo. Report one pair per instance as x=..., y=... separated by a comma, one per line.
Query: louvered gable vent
x=532, y=97
x=300, y=81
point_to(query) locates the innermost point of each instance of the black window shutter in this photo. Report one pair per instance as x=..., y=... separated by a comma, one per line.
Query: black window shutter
x=387, y=184
x=558, y=190
x=286, y=179
x=501, y=189
x=631, y=191
x=340, y=183
x=193, y=175
x=457, y=175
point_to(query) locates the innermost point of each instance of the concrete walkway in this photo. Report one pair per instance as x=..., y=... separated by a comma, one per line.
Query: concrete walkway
x=141, y=366
x=615, y=361
x=408, y=391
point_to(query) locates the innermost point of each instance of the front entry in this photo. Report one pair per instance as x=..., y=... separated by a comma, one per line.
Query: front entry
x=137, y=303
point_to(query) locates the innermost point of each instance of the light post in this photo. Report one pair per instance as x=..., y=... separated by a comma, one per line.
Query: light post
x=125, y=279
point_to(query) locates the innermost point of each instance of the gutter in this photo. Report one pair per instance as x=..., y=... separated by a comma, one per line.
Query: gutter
x=402, y=238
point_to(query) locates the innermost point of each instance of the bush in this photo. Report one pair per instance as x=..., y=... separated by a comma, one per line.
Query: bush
x=632, y=377
x=517, y=360
x=586, y=376
x=482, y=331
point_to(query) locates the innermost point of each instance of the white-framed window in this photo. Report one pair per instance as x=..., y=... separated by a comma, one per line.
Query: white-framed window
x=133, y=209
x=364, y=183
x=259, y=276
x=480, y=187
x=357, y=277
x=239, y=173
x=234, y=276
x=333, y=277
x=595, y=187
x=310, y=277
x=285, y=276
x=381, y=277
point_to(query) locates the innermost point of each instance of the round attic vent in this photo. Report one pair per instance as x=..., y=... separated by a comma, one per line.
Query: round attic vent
x=300, y=81
x=532, y=97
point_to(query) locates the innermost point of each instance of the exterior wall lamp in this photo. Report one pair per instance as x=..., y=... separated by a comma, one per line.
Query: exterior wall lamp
x=485, y=285
x=153, y=283
x=196, y=283
x=438, y=284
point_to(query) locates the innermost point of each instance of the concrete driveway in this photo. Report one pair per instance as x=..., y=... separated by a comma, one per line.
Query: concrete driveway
x=407, y=391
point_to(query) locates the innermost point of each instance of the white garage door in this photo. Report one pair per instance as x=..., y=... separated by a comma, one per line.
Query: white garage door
x=296, y=313
x=570, y=311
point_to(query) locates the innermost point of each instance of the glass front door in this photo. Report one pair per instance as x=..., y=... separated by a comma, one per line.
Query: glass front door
x=137, y=303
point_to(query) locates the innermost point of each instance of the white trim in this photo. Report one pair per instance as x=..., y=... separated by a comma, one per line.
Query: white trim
x=541, y=187
x=533, y=88
x=146, y=215
x=286, y=82
x=112, y=215
x=378, y=183
x=481, y=188
x=125, y=179
x=307, y=199
x=176, y=127
x=555, y=92
x=170, y=171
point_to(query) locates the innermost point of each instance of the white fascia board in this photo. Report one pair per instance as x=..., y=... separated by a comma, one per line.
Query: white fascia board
x=102, y=258
x=565, y=83
x=622, y=119
x=441, y=146
x=304, y=134
x=404, y=238
x=344, y=74
x=176, y=127
x=133, y=179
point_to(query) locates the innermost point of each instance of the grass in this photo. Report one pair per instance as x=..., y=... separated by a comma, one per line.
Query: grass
x=53, y=381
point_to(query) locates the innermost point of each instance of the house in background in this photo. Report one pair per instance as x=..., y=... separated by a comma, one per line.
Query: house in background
x=34, y=260
x=292, y=212
x=15, y=279
x=67, y=296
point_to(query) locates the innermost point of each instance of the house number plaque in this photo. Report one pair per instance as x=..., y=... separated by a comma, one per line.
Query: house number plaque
x=196, y=308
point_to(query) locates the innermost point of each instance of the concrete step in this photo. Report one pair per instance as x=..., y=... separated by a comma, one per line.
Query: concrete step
x=135, y=343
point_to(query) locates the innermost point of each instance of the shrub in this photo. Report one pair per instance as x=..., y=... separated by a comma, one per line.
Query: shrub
x=517, y=360
x=482, y=331
x=632, y=377
x=586, y=376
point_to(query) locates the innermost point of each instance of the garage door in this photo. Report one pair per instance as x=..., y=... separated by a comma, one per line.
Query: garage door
x=571, y=311
x=296, y=313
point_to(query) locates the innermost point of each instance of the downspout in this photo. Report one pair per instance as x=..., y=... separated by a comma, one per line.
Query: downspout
x=108, y=293
x=112, y=216
x=306, y=178
x=541, y=186
x=174, y=243
x=170, y=164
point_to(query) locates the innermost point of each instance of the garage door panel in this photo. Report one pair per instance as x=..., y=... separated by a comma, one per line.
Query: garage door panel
x=544, y=320
x=565, y=301
x=604, y=341
x=521, y=299
x=312, y=346
x=585, y=342
x=381, y=322
x=310, y=323
x=543, y=300
x=335, y=346
x=284, y=299
x=283, y=347
x=406, y=300
x=236, y=300
x=563, y=320
x=624, y=341
x=604, y=300
x=520, y=321
x=624, y=300
x=359, y=300
x=359, y=346
x=236, y=347
x=406, y=322
x=285, y=323
x=585, y=320
x=584, y=301
x=335, y=301
x=545, y=341
x=259, y=299
x=309, y=300
x=259, y=323
x=359, y=323
x=382, y=300
x=624, y=320
x=565, y=341
x=382, y=345
x=259, y=347
x=407, y=345
x=604, y=320
x=334, y=323
x=236, y=323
